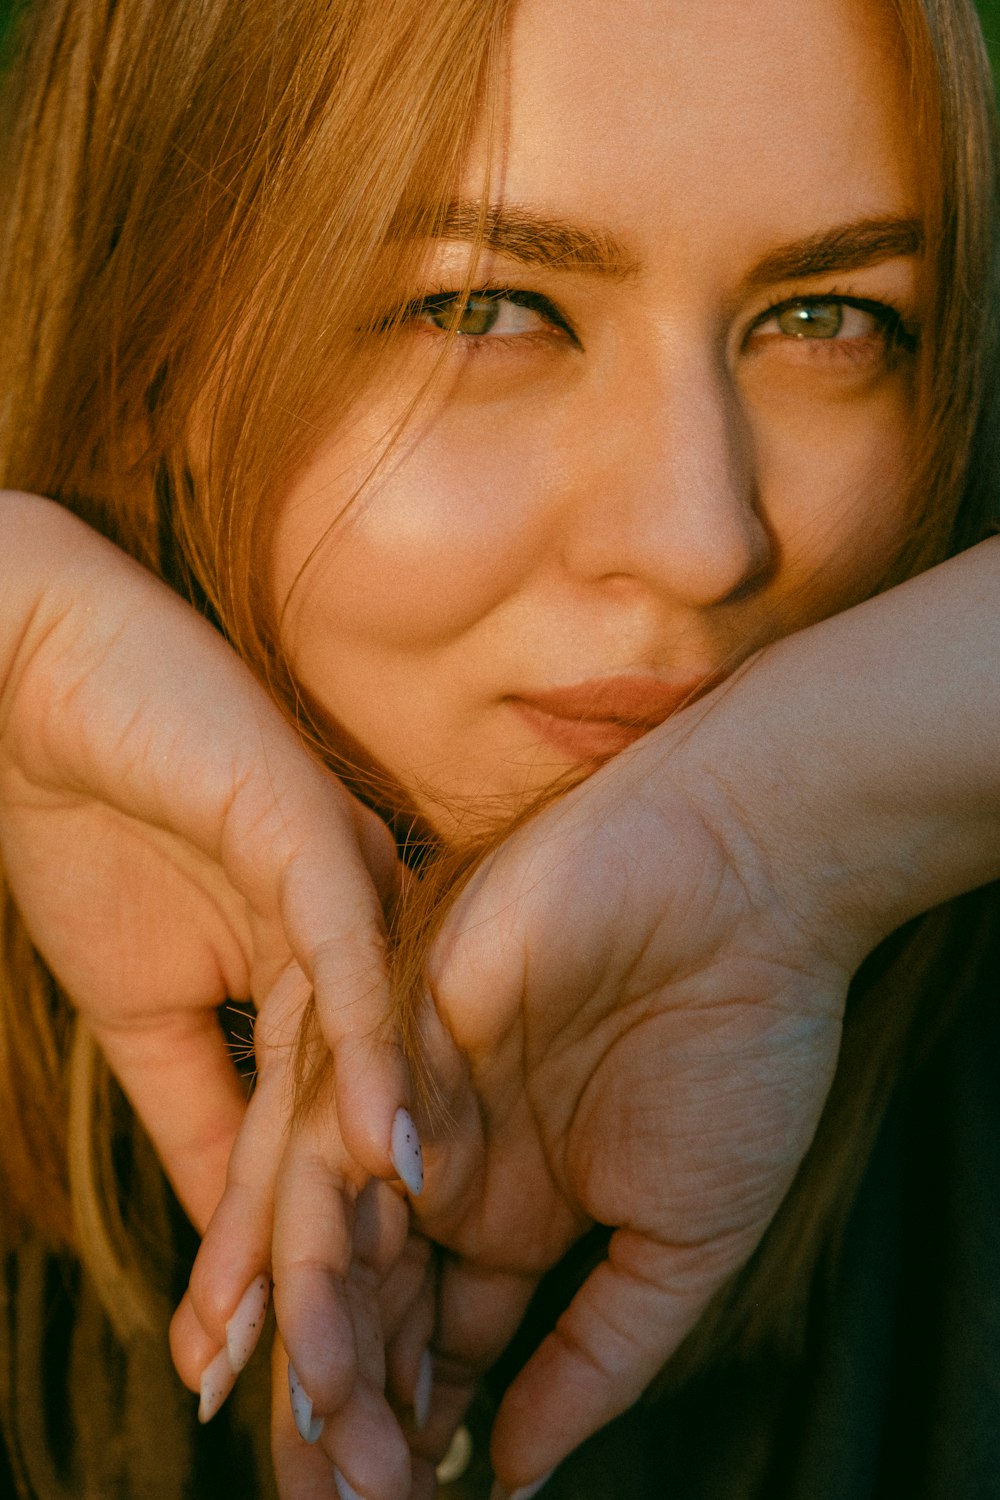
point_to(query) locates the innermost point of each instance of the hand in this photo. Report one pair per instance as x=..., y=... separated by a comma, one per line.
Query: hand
x=170, y=843
x=650, y=1040
x=648, y=981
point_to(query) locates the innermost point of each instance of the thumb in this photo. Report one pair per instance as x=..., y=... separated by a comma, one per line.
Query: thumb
x=630, y=1315
x=178, y=1075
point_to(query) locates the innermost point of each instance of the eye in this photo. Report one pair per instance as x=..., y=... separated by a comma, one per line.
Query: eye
x=844, y=320
x=504, y=312
x=820, y=320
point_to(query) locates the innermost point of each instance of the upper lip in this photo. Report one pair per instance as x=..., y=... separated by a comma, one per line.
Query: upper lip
x=633, y=699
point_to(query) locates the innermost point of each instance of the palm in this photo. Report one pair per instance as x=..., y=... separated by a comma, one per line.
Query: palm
x=648, y=1064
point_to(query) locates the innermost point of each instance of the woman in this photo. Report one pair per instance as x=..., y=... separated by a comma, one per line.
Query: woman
x=659, y=499
x=809, y=348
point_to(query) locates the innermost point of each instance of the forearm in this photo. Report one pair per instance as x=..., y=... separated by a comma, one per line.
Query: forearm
x=855, y=766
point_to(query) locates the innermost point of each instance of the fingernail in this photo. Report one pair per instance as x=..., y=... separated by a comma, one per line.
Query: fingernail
x=217, y=1380
x=243, y=1328
x=344, y=1490
x=524, y=1493
x=422, y=1391
x=407, y=1157
x=309, y=1426
x=457, y=1459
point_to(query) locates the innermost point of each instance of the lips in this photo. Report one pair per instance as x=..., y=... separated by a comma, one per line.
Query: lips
x=602, y=716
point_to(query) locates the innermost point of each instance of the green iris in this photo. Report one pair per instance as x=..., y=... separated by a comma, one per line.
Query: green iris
x=812, y=320
x=472, y=315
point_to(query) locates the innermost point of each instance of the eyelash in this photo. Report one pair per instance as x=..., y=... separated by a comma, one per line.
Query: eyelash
x=890, y=318
x=518, y=296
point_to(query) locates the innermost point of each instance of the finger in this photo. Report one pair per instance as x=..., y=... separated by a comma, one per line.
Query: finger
x=361, y=1438
x=302, y=1470
x=331, y=915
x=179, y=1077
x=408, y=1303
x=192, y=1347
x=367, y=1446
x=354, y=1009
x=452, y=1392
x=631, y=1314
x=407, y=1283
x=336, y=1235
x=478, y=1313
x=318, y=871
x=222, y=1310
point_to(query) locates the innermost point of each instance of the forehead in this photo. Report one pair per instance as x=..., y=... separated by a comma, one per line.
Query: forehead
x=673, y=116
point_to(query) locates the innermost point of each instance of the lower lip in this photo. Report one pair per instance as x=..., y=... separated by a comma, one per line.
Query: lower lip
x=580, y=739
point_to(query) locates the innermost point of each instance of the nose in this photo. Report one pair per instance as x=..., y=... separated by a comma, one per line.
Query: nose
x=664, y=485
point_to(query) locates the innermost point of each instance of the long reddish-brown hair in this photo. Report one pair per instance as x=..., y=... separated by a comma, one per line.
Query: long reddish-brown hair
x=203, y=207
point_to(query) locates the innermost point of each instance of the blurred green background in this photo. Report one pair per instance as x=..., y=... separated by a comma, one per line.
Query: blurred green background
x=989, y=10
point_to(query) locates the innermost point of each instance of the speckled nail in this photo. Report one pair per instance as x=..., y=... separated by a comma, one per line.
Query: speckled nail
x=309, y=1427
x=217, y=1380
x=243, y=1328
x=407, y=1156
x=423, y=1391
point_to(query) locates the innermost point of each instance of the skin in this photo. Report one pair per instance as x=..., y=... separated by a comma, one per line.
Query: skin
x=646, y=475
x=636, y=473
x=170, y=843
x=231, y=919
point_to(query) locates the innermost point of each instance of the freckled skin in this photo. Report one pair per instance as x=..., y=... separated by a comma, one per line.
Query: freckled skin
x=665, y=478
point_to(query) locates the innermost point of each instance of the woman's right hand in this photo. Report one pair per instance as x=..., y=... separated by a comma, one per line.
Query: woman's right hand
x=170, y=844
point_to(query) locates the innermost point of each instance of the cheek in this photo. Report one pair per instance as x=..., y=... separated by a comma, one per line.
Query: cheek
x=444, y=532
x=834, y=485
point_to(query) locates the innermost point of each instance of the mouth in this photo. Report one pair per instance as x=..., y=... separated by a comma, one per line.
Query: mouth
x=596, y=719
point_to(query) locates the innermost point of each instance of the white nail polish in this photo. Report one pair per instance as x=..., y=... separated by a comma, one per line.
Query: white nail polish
x=345, y=1490
x=217, y=1380
x=423, y=1390
x=524, y=1493
x=243, y=1328
x=458, y=1457
x=407, y=1157
x=309, y=1427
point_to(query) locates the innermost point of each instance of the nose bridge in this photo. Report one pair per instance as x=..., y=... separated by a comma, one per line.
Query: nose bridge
x=670, y=478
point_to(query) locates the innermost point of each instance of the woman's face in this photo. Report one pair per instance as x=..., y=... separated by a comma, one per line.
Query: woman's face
x=674, y=421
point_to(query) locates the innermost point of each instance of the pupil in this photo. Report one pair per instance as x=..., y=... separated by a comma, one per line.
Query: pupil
x=472, y=316
x=821, y=320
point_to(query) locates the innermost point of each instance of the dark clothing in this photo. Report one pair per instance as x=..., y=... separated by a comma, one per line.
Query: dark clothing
x=897, y=1396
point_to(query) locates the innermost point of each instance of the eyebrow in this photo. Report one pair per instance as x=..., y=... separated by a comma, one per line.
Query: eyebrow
x=554, y=244
x=538, y=241
x=845, y=247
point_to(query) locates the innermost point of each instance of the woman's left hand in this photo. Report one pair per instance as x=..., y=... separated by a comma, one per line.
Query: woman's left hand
x=645, y=1041
x=626, y=1029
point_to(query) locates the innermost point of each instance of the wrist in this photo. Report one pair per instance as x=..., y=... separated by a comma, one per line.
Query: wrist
x=850, y=770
